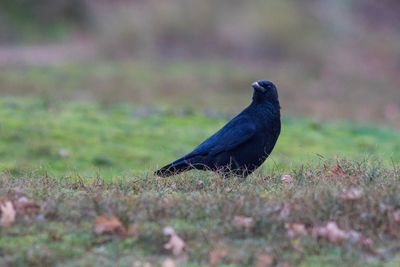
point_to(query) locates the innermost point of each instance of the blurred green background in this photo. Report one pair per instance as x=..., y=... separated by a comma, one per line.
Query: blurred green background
x=126, y=85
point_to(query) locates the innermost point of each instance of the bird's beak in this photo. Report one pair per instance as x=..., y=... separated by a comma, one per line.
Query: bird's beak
x=258, y=87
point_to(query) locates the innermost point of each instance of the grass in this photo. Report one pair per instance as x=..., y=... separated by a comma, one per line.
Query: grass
x=91, y=139
x=62, y=231
x=78, y=160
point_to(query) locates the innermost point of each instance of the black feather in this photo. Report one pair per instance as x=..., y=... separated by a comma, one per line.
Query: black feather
x=243, y=144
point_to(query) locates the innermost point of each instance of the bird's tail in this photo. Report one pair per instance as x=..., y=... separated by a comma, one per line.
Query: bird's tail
x=174, y=168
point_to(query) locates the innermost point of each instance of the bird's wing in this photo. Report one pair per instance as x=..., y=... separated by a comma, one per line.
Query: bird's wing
x=236, y=132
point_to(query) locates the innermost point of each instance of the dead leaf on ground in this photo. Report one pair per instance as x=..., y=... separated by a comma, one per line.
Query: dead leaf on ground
x=215, y=256
x=331, y=232
x=7, y=214
x=295, y=229
x=243, y=222
x=168, y=263
x=25, y=206
x=287, y=179
x=106, y=224
x=396, y=216
x=175, y=244
x=338, y=171
x=264, y=260
x=352, y=194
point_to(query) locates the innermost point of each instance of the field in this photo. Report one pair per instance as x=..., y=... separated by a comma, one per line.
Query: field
x=86, y=138
x=65, y=164
x=97, y=95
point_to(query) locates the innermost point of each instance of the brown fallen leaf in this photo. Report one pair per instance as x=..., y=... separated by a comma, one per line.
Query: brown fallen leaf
x=243, y=222
x=175, y=244
x=331, y=232
x=352, y=194
x=396, y=216
x=295, y=229
x=338, y=171
x=106, y=224
x=215, y=256
x=264, y=260
x=287, y=179
x=168, y=263
x=7, y=214
x=25, y=206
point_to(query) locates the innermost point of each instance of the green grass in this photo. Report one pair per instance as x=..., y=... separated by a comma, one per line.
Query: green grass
x=78, y=160
x=92, y=139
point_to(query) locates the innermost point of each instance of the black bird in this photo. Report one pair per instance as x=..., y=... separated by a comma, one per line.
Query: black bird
x=243, y=144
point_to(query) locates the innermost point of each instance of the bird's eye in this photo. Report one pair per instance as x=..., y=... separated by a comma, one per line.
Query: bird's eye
x=266, y=86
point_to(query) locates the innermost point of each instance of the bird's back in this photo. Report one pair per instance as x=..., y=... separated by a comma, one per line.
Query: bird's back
x=243, y=144
x=249, y=155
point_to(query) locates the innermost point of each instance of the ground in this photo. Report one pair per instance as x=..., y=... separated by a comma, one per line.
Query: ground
x=64, y=164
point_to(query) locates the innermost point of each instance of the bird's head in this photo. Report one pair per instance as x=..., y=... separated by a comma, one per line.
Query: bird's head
x=264, y=91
